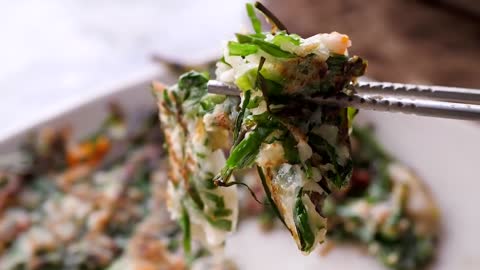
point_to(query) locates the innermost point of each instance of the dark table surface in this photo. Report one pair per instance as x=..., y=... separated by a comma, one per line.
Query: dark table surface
x=403, y=40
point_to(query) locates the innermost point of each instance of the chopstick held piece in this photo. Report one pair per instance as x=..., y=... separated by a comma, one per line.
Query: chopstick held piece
x=301, y=150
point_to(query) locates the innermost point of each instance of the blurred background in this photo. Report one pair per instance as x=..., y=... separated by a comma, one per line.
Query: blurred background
x=56, y=52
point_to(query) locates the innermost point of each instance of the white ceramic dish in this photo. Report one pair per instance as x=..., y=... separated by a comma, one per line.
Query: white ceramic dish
x=445, y=153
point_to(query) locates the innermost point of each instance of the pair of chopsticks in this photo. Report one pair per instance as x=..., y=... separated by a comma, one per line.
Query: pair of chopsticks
x=435, y=101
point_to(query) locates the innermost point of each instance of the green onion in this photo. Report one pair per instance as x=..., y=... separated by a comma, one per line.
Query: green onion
x=305, y=234
x=244, y=154
x=256, y=24
x=217, y=200
x=281, y=38
x=290, y=148
x=239, y=120
x=265, y=46
x=241, y=49
x=222, y=224
x=185, y=225
x=222, y=212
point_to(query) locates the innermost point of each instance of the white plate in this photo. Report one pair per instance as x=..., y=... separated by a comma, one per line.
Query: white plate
x=445, y=153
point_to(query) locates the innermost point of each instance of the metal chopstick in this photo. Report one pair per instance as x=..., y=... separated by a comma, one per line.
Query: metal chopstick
x=454, y=94
x=422, y=103
x=423, y=107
